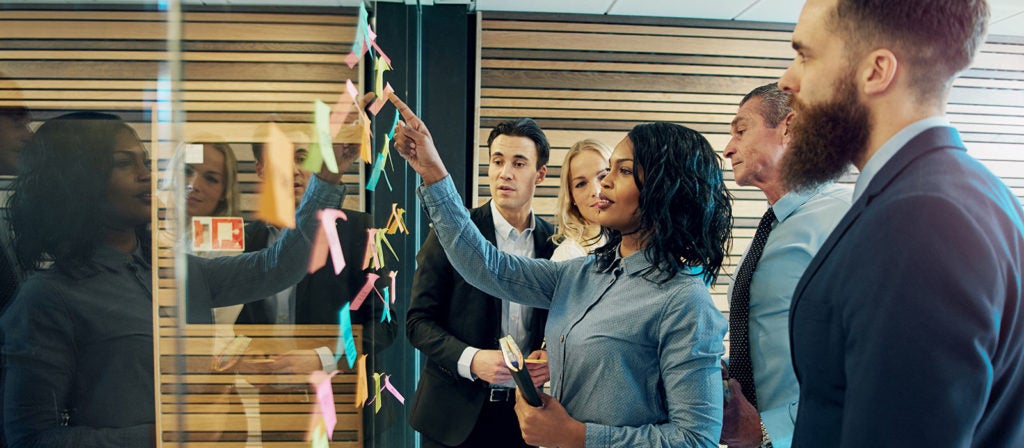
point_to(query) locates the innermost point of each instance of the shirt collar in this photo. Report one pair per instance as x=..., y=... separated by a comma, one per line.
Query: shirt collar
x=634, y=263
x=503, y=229
x=791, y=201
x=115, y=260
x=890, y=148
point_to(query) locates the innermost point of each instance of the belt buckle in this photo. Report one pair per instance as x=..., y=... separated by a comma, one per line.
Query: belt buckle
x=500, y=395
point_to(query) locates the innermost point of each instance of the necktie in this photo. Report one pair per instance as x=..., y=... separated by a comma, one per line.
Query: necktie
x=739, y=311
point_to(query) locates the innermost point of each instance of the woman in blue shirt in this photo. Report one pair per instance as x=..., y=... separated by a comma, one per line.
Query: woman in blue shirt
x=634, y=339
x=79, y=335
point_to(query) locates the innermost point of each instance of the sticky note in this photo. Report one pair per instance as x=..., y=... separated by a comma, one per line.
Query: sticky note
x=393, y=275
x=376, y=398
x=345, y=327
x=371, y=248
x=340, y=112
x=378, y=167
x=361, y=392
x=386, y=315
x=322, y=118
x=396, y=222
x=352, y=91
x=357, y=301
x=325, y=399
x=382, y=99
x=318, y=437
x=327, y=223
x=277, y=199
x=393, y=390
x=194, y=153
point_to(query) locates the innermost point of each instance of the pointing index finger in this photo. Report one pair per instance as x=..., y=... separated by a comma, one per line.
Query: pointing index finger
x=403, y=108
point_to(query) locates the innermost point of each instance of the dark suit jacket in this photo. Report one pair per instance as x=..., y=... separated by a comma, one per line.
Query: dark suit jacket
x=447, y=315
x=907, y=327
x=320, y=295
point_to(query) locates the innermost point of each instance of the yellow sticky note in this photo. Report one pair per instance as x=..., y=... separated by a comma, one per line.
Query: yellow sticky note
x=361, y=392
x=322, y=117
x=376, y=388
x=379, y=67
x=277, y=198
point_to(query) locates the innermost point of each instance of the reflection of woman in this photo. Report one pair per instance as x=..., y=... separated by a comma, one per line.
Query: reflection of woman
x=212, y=185
x=78, y=337
x=634, y=340
x=579, y=199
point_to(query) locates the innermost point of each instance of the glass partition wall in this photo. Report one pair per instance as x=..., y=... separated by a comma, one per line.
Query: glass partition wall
x=223, y=99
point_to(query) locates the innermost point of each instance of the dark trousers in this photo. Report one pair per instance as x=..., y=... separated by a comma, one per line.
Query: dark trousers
x=497, y=427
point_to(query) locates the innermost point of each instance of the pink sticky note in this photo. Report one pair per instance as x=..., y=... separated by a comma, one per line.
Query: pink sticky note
x=391, y=388
x=325, y=399
x=357, y=301
x=352, y=91
x=393, y=275
x=352, y=59
x=327, y=218
x=340, y=112
x=382, y=54
x=379, y=103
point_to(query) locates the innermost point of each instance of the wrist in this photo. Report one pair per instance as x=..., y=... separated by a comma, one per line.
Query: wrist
x=329, y=177
x=576, y=436
x=434, y=176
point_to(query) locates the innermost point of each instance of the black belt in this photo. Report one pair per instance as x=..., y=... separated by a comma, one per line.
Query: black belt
x=502, y=395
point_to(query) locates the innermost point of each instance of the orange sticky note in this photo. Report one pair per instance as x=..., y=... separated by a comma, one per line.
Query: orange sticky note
x=362, y=393
x=277, y=199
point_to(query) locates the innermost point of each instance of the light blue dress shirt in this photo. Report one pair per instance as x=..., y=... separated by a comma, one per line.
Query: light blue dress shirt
x=890, y=148
x=803, y=222
x=635, y=360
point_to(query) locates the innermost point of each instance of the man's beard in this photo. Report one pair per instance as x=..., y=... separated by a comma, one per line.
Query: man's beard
x=825, y=138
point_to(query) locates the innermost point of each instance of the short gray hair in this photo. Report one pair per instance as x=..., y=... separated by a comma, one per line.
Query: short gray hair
x=774, y=103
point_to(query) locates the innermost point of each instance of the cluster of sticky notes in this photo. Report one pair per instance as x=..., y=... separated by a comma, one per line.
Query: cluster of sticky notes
x=382, y=157
x=396, y=222
x=376, y=241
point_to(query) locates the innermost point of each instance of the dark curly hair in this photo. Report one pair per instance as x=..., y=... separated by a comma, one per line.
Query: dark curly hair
x=685, y=211
x=56, y=210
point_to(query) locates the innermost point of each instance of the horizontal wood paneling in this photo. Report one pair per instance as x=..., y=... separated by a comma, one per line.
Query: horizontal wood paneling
x=598, y=76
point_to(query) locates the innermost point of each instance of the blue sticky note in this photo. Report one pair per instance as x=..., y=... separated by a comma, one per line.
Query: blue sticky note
x=378, y=167
x=345, y=336
x=387, y=309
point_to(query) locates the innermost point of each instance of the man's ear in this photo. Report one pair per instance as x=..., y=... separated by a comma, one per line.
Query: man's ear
x=878, y=72
x=785, y=124
x=259, y=169
x=543, y=171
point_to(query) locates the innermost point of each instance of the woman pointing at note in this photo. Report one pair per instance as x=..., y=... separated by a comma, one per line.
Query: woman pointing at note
x=634, y=340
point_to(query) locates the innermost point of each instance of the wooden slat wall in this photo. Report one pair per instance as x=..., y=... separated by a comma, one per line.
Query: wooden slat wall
x=240, y=69
x=598, y=76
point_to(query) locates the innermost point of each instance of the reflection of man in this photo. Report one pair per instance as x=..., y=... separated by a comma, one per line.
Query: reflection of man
x=319, y=296
x=907, y=326
x=763, y=388
x=14, y=133
x=465, y=396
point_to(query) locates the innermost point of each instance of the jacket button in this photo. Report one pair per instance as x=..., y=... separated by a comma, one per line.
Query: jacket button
x=563, y=338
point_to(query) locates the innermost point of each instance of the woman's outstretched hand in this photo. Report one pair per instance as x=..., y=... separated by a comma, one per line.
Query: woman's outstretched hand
x=413, y=142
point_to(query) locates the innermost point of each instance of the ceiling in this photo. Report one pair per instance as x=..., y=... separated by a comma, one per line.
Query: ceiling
x=1007, y=15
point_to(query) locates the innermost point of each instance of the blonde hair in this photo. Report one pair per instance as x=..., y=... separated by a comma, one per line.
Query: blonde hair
x=568, y=219
x=230, y=205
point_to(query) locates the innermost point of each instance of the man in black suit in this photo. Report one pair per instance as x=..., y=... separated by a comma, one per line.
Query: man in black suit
x=320, y=295
x=907, y=327
x=465, y=396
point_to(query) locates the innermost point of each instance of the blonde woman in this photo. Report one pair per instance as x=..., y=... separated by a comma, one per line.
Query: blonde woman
x=579, y=199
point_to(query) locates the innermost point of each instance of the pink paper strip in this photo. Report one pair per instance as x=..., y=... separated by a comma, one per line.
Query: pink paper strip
x=379, y=103
x=357, y=301
x=325, y=397
x=390, y=388
x=393, y=275
x=327, y=218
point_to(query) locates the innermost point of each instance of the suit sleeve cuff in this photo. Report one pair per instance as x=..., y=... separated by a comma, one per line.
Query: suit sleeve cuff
x=465, y=361
x=326, y=358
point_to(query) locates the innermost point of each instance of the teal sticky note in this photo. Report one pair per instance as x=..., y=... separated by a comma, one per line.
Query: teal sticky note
x=345, y=337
